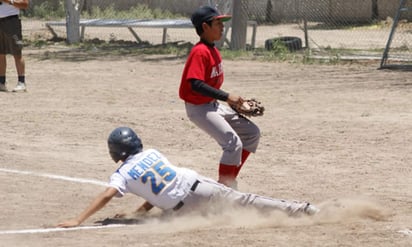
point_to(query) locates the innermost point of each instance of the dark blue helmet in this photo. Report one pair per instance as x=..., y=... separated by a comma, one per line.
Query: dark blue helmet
x=123, y=142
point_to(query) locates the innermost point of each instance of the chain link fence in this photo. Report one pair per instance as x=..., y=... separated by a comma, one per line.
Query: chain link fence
x=344, y=28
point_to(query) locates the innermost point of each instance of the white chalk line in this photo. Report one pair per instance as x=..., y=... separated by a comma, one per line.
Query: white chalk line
x=58, y=177
x=406, y=232
x=47, y=230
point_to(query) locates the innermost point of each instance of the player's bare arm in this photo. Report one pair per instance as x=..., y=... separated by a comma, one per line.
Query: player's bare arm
x=99, y=202
x=21, y=4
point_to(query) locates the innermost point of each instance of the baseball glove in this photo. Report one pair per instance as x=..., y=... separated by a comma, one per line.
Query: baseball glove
x=250, y=108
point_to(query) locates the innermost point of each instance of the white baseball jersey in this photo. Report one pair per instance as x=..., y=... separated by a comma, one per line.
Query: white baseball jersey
x=150, y=175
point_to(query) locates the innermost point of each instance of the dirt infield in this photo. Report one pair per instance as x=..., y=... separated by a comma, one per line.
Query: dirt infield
x=338, y=136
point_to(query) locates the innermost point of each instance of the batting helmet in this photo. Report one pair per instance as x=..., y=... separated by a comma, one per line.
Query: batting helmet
x=123, y=142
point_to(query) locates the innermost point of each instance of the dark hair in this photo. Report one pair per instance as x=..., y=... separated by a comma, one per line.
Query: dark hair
x=199, y=29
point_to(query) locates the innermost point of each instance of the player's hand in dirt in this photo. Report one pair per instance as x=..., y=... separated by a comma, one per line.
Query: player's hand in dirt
x=133, y=214
x=69, y=223
x=120, y=215
x=140, y=211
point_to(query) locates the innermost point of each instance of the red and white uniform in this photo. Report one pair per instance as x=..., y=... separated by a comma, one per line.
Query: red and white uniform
x=231, y=131
x=204, y=63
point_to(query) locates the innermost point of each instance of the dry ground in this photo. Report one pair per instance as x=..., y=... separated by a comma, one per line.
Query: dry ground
x=336, y=135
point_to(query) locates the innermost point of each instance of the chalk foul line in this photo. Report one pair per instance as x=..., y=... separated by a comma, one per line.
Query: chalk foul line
x=406, y=232
x=57, y=177
x=57, y=229
x=53, y=176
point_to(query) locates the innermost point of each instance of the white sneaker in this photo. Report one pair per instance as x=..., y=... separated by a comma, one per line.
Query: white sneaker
x=21, y=87
x=297, y=208
x=3, y=87
x=311, y=210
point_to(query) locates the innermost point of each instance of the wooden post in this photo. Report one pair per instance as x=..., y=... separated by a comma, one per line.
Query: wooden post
x=239, y=25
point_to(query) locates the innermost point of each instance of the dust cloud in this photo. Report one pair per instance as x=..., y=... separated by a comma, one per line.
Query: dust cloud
x=332, y=211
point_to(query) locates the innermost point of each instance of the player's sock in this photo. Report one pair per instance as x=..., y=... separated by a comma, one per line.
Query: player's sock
x=2, y=79
x=245, y=155
x=21, y=78
x=227, y=174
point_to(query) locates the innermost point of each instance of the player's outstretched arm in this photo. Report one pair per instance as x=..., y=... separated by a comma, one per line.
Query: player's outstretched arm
x=99, y=202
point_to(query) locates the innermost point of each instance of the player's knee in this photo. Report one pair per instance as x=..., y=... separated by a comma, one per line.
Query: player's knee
x=252, y=141
x=232, y=143
x=254, y=135
x=255, y=132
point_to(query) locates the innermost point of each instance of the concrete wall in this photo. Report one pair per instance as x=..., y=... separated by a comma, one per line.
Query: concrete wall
x=313, y=10
x=184, y=7
x=389, y=7
x=323, y=10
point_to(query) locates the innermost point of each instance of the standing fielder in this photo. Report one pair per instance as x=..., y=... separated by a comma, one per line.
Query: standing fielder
x=200, y=89
x=150, y=175
x=11, y=41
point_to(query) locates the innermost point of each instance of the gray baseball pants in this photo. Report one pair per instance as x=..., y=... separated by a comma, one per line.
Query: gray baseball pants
x=231, y=131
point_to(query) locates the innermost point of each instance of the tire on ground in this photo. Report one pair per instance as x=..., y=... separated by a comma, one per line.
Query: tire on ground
x=292, y=43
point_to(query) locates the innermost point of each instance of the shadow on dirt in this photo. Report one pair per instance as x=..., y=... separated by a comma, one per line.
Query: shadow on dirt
x=58, y=49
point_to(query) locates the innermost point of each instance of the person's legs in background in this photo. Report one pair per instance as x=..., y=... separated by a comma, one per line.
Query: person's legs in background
x=20, y=67
x=3, y=65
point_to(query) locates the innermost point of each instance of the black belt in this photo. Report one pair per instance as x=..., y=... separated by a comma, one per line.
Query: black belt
x=181, y=203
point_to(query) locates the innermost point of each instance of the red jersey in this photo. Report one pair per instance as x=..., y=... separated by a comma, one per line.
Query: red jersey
x=204, y=63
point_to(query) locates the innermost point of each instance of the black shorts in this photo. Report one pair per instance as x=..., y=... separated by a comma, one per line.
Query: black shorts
x=11, y=40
